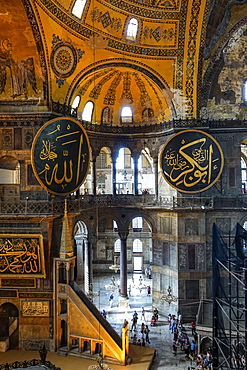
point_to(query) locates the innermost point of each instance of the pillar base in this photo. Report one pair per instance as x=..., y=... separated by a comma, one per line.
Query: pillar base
x=123, y=302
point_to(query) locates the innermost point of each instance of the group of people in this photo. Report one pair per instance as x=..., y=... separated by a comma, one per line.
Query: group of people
x=144, y=330
x=188, y=345
x=155, y=317
x=180, y=336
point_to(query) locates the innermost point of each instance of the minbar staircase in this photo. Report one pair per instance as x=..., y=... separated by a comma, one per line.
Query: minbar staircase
x=83, y=331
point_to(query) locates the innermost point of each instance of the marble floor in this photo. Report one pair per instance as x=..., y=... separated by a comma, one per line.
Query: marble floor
x=160, y=336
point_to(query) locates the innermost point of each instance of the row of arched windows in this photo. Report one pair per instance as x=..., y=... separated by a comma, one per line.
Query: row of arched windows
x=131, y=27
x=137, y=246
x=126, y=113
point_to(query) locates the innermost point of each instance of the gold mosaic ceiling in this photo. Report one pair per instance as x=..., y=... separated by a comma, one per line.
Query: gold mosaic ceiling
x=64, y=56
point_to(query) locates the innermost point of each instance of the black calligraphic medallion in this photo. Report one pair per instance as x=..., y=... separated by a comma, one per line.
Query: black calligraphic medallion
x=191, y=161
x=60, y=156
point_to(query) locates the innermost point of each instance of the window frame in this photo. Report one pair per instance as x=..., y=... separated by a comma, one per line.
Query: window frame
x=132, y=37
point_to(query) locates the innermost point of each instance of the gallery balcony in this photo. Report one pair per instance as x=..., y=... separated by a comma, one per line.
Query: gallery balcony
x=54, y=206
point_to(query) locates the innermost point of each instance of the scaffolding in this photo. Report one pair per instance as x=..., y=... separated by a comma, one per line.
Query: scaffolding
x=229, y=266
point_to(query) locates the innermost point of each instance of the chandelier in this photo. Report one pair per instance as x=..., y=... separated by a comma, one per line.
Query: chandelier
x=91, y=295
x=113, y=285
x=169, y=297
x=100, y=365
x=115, y=266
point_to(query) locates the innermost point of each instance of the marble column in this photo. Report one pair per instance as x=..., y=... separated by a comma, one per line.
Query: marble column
x=156, y=174
x=123, y=263
x=87, y=265
x=94, y=175
x=114, y=172
x=79, y=259
x=135, y=160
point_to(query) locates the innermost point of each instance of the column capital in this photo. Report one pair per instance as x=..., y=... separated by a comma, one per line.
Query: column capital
x=123, y=234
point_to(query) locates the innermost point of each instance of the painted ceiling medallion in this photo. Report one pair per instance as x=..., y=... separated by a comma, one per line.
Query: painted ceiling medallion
x=64, y=59
x=191, y=161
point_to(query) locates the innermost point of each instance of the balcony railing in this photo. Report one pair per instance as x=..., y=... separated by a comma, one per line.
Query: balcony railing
x=54, y=207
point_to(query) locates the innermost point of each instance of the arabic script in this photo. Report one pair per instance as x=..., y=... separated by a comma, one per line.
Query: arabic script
x=20, y=255
x=192, y=164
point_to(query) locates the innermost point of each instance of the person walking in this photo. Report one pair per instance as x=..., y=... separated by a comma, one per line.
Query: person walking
x=174, y=348
x=143, y=314
x=103, y=313
x=146, y=332
x=142, y=329
x=111, y=300
x=129, y=289
x=149, y=290
x=193, y=328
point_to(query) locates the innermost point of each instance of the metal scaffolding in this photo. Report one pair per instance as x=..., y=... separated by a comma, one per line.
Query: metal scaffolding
x=229, y=265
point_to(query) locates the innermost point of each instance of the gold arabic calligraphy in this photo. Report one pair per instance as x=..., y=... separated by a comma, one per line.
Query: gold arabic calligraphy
x=193, y=163
x=69, y=168
x=19, y=256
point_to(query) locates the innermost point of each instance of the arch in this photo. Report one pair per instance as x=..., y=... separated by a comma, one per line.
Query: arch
x=8, y=309
x=206, y=342
x=137, y=246
x=9, y=323
x=217, y=61
x=107, y=115
x=80, y=244
x=104, y=172
x=117, y=246
x=142, y=68
x=141, y=242
x=124, y=172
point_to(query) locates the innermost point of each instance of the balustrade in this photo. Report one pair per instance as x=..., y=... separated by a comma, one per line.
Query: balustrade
x=56, y=207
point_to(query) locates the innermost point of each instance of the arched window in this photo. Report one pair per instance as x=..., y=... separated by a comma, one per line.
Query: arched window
x=75, y=105
x=87, y=112
x=126, y=115
x=78, y=8
x=107, y=115
x=137, y=246
x=244, y=176
x=132, y=29
x=137, y=223
x=117, y=246
x=244, y=91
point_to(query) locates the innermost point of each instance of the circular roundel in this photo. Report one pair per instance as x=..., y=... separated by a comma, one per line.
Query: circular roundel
x=63, y=59
x=191, y=161
x=60, y=156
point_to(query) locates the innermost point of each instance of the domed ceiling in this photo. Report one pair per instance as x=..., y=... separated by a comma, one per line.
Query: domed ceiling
x=47, y=53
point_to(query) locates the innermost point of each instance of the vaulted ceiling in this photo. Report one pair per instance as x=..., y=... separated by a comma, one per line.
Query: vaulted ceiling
x=47, y=53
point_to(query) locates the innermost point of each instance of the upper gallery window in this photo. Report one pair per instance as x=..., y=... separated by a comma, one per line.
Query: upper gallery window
x=137, y=223
x=75, y=104
x=117, y=246
x=132, y=29
x=126, y=115
x=107, y=115
x=87, y=112
x=78, y=8
x=245, y=91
